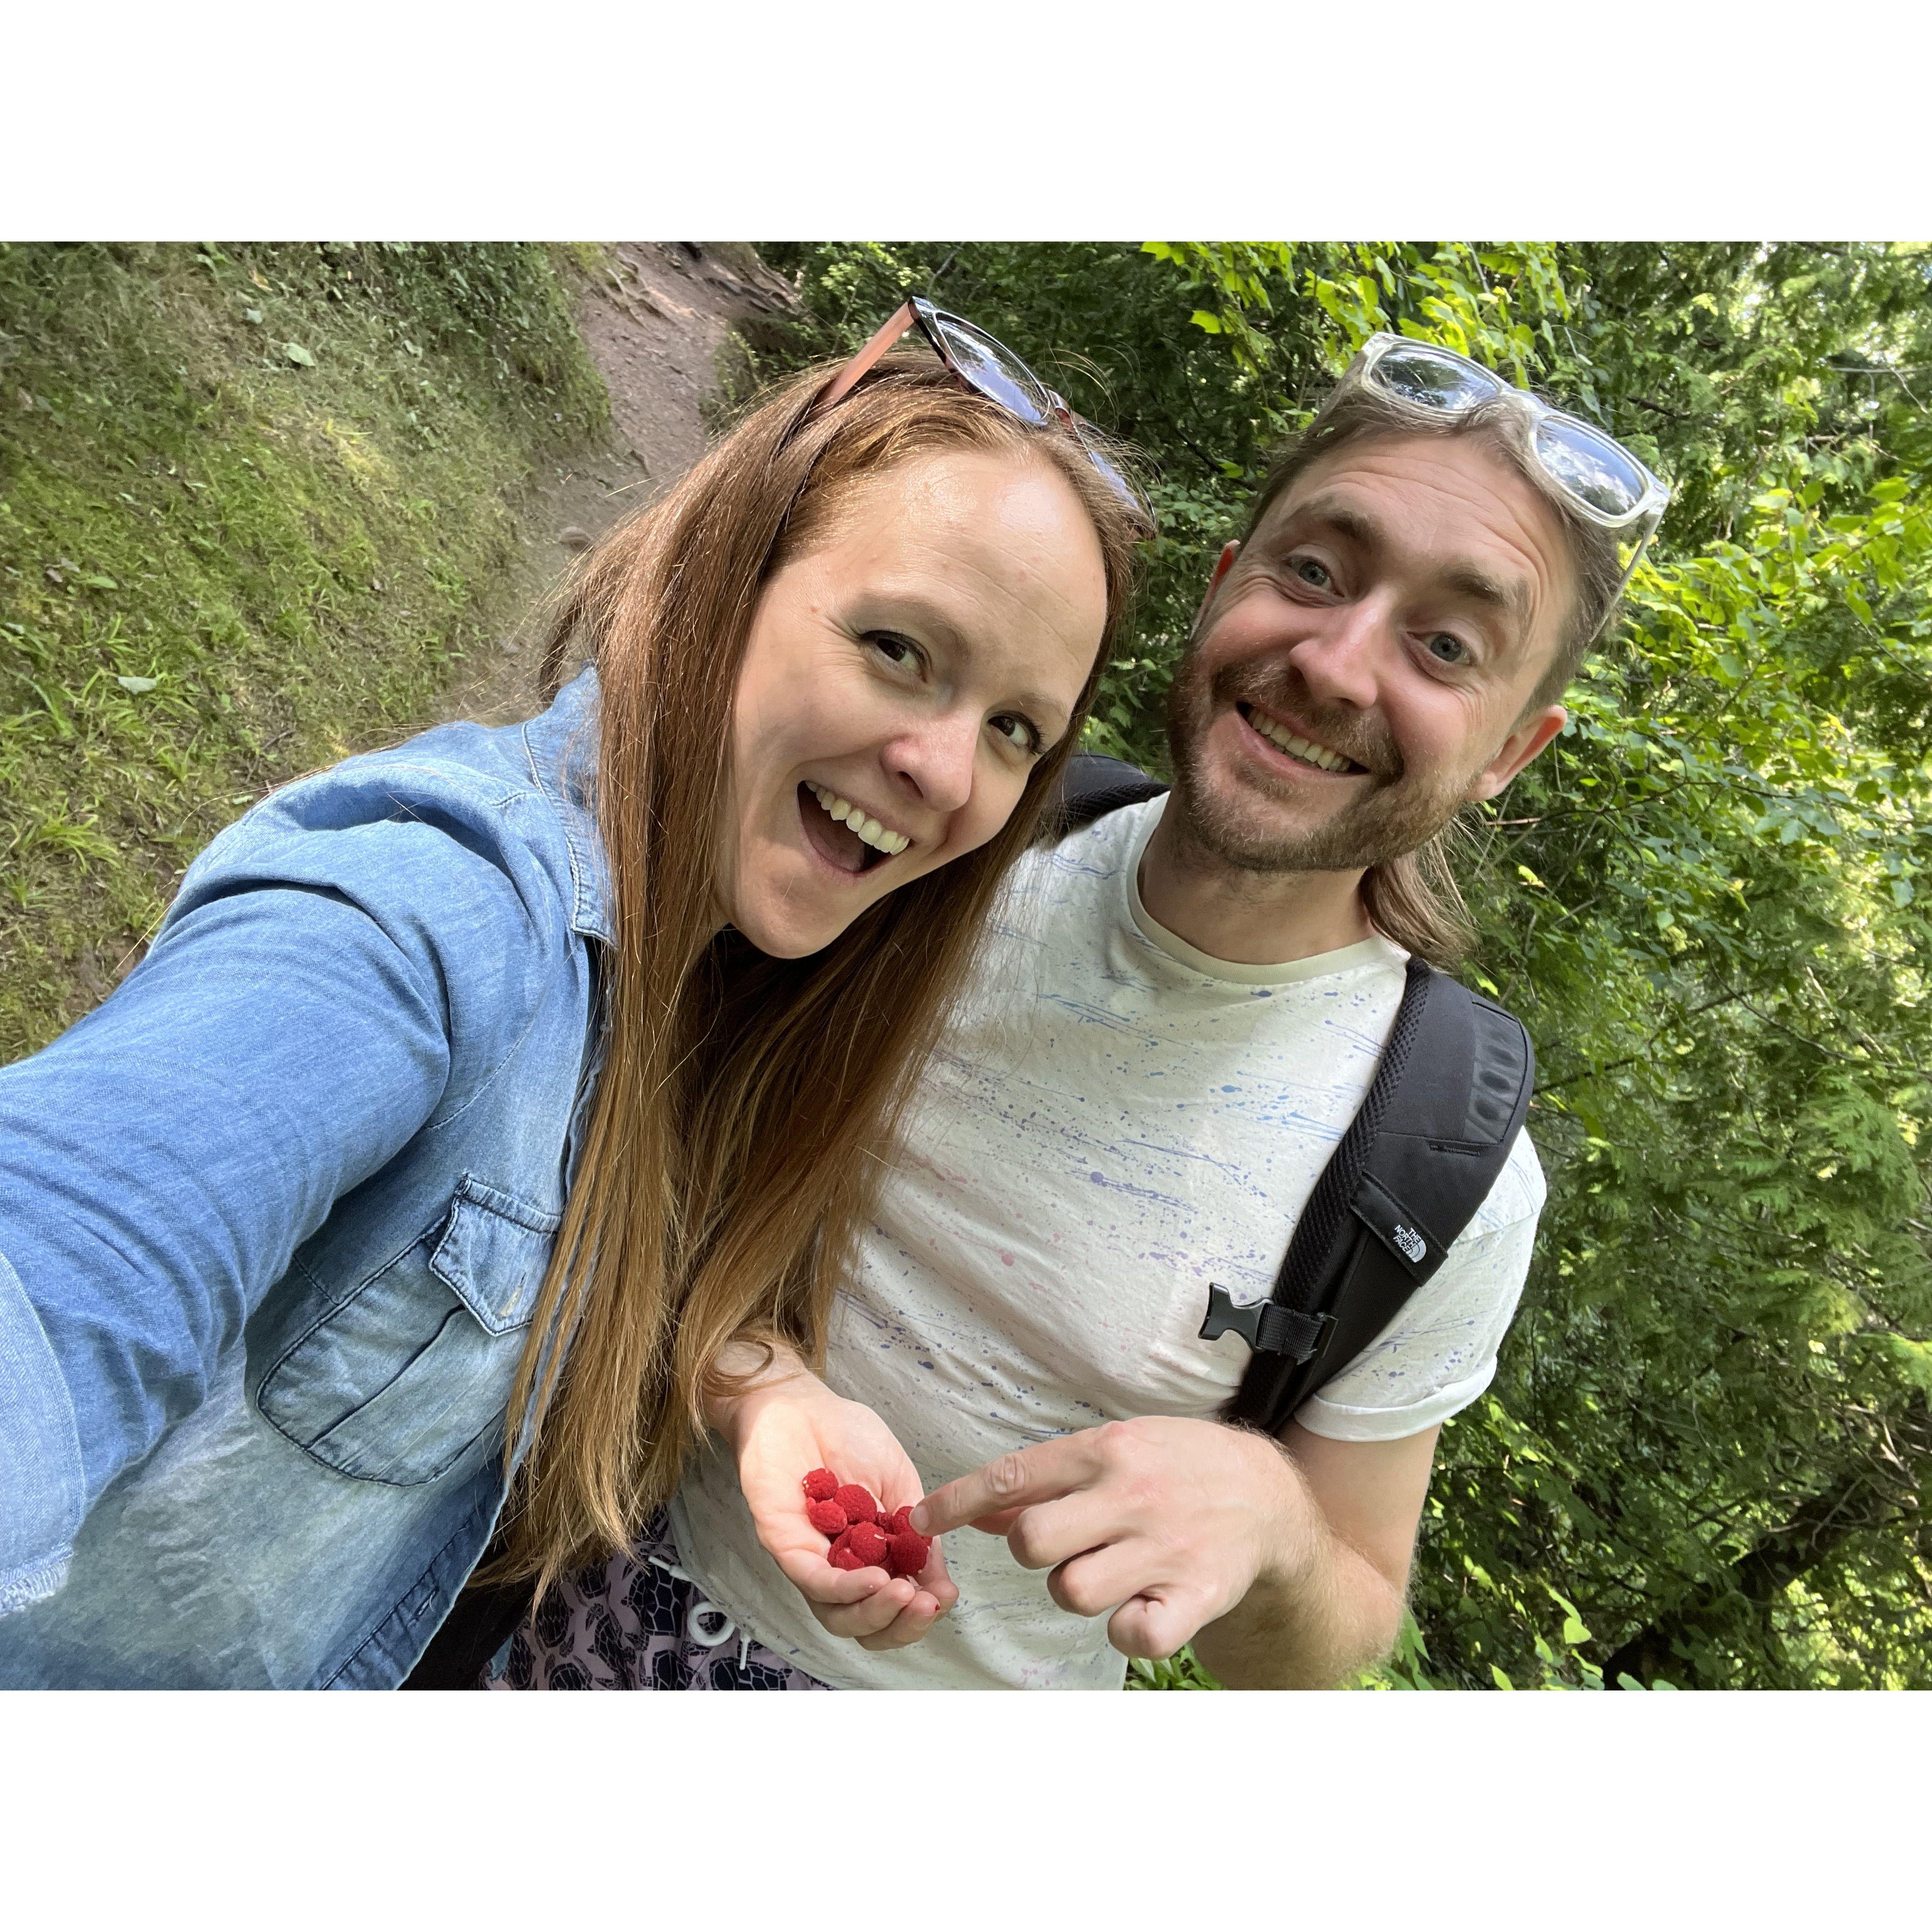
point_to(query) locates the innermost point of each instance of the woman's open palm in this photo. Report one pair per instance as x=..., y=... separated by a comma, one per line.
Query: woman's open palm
x=791, y=1427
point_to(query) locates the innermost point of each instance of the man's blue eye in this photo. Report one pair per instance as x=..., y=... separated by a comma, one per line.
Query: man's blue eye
x=1447, y=649
x=1312, y=573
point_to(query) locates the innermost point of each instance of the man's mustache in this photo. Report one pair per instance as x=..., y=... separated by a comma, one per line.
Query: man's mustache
x=1280, y=687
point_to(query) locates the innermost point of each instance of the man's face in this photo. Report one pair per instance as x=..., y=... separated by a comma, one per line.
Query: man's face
x=1361, y=665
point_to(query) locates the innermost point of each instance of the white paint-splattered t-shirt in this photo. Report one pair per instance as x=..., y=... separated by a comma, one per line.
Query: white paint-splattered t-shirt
x=1113, y=1121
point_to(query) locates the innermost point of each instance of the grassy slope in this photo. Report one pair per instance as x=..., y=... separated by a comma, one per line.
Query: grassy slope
x=253, y=505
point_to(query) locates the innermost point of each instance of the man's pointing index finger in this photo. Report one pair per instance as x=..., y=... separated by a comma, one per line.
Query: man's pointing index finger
x=1016, y=1480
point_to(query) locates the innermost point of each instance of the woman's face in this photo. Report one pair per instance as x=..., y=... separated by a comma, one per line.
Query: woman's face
x=901, y=679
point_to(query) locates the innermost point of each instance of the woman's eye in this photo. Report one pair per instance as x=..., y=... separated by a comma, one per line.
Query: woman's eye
x=1446, y=648
x=1019, y=732
x=893, y=648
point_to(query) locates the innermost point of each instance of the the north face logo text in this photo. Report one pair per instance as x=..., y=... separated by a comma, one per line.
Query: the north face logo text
x=1410, y=1242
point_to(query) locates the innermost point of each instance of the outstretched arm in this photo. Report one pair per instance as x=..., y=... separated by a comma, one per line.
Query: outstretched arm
x=162, y=1160
x=1286, y=1563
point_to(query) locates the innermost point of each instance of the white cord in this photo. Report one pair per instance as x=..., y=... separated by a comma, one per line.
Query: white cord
x=695, y=1630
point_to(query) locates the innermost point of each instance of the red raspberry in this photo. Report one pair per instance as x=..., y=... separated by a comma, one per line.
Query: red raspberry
x=866, y=1541
x=906, y=1553
x=840, y=1557
x=821, y=1486
x=828, y=1519
x=896, y=1522
x=857, y=1503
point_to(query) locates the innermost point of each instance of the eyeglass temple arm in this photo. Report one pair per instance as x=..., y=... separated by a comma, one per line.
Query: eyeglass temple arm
x=883, y=337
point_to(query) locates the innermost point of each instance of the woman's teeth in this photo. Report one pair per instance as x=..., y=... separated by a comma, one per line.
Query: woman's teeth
x=848, y=814
x=1297, y=748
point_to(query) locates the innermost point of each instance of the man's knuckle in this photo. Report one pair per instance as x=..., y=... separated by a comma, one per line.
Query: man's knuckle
x=1024, y=1541
x=1007, y=1475
x=1074, y=1594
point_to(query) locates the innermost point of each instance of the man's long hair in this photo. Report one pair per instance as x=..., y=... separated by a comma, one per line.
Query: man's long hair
x=731, y=1148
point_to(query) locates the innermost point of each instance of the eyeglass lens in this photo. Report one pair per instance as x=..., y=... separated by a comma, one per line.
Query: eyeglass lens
x=1591, y=465
x=992, y=371
x=1420, y=375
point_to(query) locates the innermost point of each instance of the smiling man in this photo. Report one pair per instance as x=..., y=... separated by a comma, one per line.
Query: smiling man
x=1385, y=645
x=1185, y=1004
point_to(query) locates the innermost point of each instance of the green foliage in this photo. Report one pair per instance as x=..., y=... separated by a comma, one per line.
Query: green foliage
x=249, y=498
x=1182, y=1671
x=1706, y=1459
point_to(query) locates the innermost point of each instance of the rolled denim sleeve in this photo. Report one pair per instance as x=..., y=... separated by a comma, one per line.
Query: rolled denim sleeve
x=40, y=1472
x=319, y=993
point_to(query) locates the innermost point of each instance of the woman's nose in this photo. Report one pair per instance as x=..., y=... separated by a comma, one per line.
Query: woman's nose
x=935, y=763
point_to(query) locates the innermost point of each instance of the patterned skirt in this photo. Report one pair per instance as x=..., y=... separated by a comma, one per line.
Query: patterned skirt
x=636, y=1623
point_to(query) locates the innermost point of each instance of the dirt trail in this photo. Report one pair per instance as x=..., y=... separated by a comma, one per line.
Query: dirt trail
x=653, y=323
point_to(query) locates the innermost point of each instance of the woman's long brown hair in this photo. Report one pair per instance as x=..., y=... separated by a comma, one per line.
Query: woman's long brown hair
x=735, y=1137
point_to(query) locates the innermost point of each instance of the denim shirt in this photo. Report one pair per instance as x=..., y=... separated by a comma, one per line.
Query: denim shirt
x=273, y=1218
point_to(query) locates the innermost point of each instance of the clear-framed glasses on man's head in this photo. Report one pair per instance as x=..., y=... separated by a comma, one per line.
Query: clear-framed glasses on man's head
x=1593, y=474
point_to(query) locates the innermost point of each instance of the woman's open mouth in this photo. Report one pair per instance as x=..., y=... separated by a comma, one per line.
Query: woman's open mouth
x=842, y=834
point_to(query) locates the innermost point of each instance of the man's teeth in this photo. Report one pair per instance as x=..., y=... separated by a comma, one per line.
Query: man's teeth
x=849, y=814
x=1298, y=748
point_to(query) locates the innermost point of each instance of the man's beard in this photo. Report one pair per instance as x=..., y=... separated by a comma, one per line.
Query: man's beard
x=1397, y=814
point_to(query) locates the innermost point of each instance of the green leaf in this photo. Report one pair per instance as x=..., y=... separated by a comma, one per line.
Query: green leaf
x=1202, y=320
x=297, y=354
x=137, y=685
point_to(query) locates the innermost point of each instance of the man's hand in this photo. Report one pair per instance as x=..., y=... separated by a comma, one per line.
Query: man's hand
x=790, y=1422
x=1173, y=1521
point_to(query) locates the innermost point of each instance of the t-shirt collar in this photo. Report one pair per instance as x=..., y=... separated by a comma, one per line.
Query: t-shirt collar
x=1373, y=951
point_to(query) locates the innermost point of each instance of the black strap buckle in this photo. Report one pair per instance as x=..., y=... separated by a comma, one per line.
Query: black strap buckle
x=1266, y=1326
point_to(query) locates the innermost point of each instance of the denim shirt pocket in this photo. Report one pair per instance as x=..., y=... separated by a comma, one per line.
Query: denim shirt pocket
x=411, y=1369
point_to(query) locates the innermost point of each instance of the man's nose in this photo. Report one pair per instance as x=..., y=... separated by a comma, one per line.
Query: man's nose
x=934, y=764
x=1339, y=657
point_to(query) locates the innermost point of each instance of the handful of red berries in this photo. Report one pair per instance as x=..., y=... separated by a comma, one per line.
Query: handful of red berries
x=863, y=1535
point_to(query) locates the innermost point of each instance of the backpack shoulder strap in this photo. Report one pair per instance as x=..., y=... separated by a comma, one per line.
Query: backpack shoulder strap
x=1091, y=786
x=1415, y=1164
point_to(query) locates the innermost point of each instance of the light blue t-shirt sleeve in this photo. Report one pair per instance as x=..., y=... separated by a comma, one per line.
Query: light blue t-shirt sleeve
x=315, y=995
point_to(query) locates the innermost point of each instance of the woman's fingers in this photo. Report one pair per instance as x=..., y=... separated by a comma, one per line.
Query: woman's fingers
x=911, y=1624
x=936, y=1581
x=798, y=1432
x=819, y=1583
x=886, y=1597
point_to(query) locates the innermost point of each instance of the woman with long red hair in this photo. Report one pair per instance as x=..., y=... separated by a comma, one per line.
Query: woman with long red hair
x=488, y=1110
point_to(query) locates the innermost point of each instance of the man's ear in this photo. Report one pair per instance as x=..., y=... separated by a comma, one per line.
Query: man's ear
x=1533, y=731
x=1229, y=551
